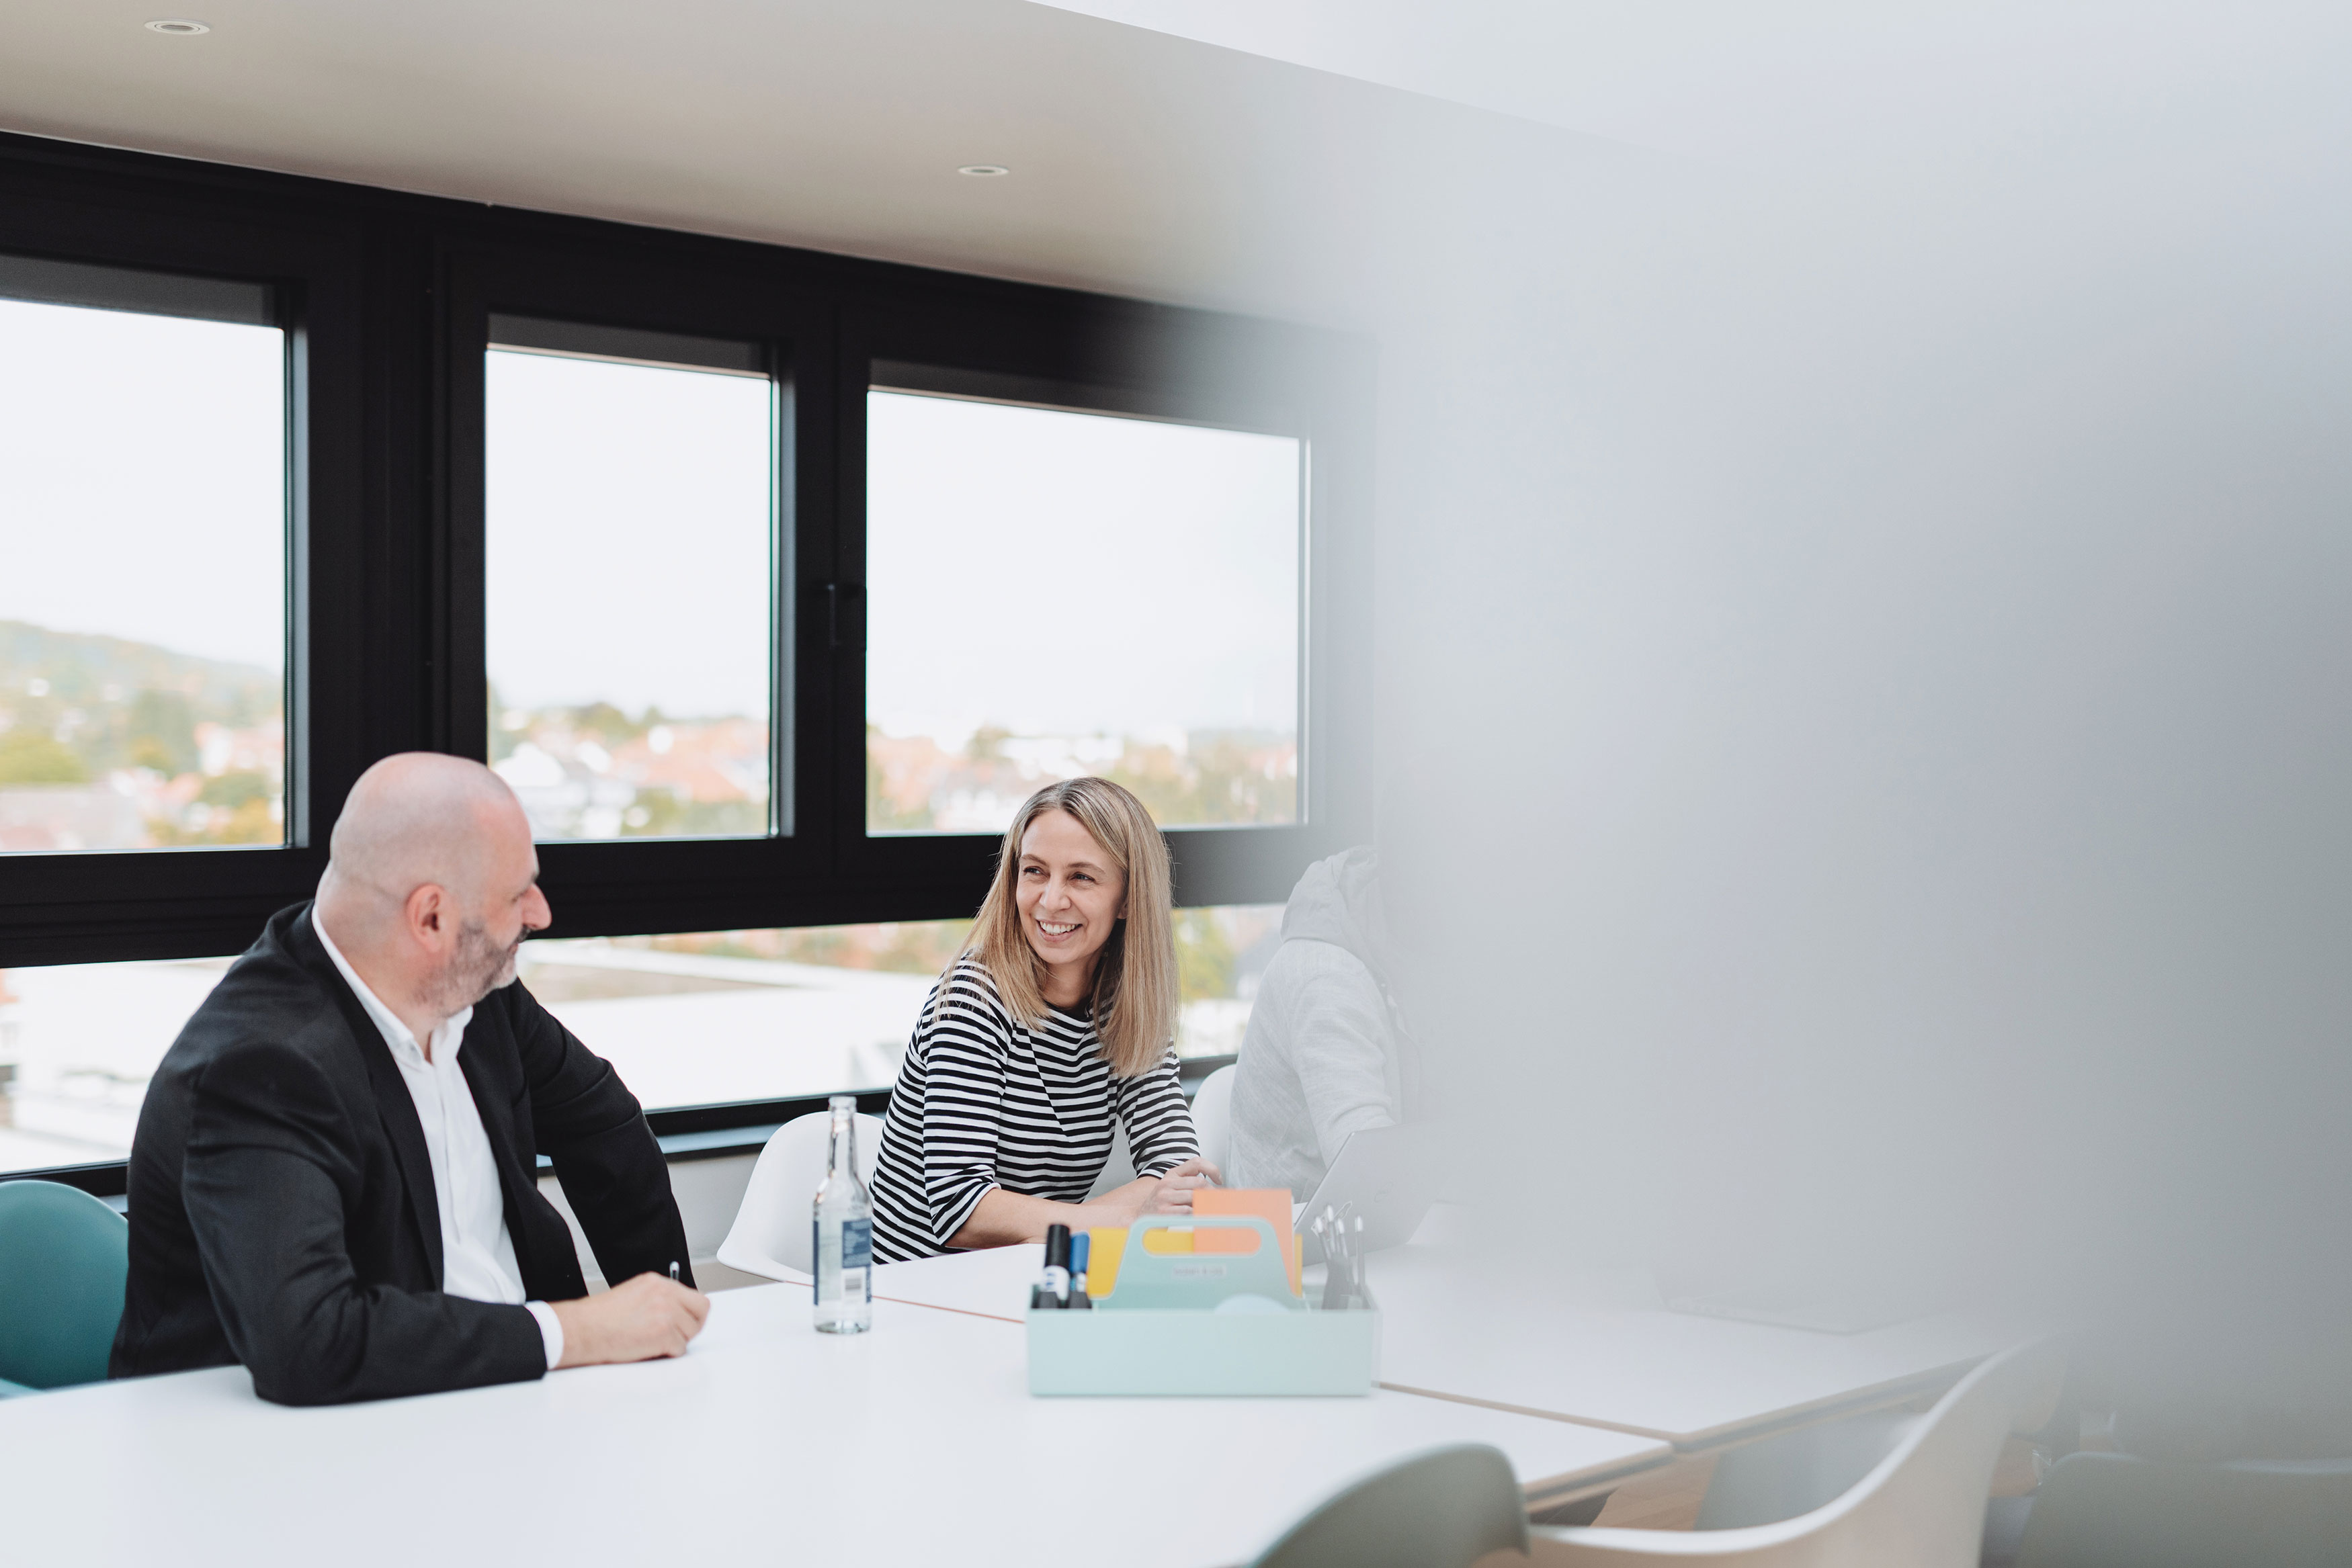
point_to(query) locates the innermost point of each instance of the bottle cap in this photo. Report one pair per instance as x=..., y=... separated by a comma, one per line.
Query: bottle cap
x=842, y=1103
x=1058, y=1247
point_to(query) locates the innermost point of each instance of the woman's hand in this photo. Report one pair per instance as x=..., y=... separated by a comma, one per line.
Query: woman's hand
x=1002, y=1218
x=1170, y=1193
x=1174, y=1190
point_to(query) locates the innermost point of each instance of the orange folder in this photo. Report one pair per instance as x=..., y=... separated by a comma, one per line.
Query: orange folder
x=1271, y=1204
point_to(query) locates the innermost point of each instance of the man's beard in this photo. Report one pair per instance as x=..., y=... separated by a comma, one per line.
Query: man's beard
x=477, y=969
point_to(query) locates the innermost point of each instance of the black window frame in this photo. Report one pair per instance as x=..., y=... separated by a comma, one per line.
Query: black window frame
x=386, y=298
x=86, y=906
x=1114, y=356
x=632, y=886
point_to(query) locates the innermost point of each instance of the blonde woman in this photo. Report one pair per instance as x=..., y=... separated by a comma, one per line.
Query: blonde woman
x=1055, y=1026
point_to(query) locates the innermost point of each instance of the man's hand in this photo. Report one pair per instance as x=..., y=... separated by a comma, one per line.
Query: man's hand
x=645, y=1318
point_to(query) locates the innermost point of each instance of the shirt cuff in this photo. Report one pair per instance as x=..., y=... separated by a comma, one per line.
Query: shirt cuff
x=958, y=1211
x=551, y=1331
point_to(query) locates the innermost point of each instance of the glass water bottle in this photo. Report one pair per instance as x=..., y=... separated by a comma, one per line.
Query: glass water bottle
x=845, y=1232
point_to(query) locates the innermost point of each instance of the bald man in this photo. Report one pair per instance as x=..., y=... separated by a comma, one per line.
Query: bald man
x=334, y=1177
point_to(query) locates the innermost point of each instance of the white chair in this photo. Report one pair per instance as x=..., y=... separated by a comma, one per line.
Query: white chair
x=1212, y=1120
x=1780, y=1477
x=1118, y=1167
x=1213, y=1115
x=1922, y=1505
x=774, y=1229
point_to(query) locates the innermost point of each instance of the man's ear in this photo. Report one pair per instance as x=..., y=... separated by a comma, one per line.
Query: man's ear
x=428, y=910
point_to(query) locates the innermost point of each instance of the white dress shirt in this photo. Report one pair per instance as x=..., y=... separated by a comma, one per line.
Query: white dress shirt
x=478, y=1256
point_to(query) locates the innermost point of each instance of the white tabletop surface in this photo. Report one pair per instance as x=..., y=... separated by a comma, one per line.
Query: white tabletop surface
x=917, y=1443
x=1586, y=1348
x=1548, y=1349
x=993, y=1283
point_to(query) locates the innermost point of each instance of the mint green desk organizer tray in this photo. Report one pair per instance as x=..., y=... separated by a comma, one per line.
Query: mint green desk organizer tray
x=1204, y=1325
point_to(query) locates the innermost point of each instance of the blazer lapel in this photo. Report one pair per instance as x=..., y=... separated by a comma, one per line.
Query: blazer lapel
x=395, y=1107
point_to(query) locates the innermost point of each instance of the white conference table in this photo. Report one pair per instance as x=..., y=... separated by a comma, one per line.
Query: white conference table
x=993, y=1282
x=1455, y=1327
x=916, y=1444
x=1541, y=1347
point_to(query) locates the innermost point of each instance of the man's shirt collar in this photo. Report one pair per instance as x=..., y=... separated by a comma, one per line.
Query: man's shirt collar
x=449, y=1038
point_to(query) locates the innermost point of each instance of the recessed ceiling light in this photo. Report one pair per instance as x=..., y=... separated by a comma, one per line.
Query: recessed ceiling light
x=178, y=27
x=984, y=171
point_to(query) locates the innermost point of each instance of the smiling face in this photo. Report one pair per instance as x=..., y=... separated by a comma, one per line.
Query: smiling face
x=1071, y=896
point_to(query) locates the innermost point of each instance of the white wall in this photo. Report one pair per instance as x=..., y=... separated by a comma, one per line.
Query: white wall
x=1865, y=744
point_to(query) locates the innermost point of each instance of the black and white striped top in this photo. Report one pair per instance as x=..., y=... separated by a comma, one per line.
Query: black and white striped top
x=984, y=1102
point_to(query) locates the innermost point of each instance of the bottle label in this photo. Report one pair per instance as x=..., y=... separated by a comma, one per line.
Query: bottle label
x=857, y=1244
x=844, y=1256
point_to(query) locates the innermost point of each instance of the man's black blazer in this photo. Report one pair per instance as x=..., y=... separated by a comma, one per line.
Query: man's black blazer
x=282, y=1211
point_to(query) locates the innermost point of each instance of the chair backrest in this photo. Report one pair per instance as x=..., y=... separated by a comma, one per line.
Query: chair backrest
x=1118, y=1168
x=772, y=1232
x=1922, y=1505
x=1442, y=1509
x=2111, y=1510
x=1780, y=1477
x=1213, y=1115
x=64, y=1256
x=1212, y=1119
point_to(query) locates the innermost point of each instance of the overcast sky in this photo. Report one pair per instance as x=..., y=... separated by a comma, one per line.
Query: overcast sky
x=1052, y=572
x=628, y=523
x=142, y=479
x=1068, y=573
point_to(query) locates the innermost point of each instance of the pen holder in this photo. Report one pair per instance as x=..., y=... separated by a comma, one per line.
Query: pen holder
x=1212, y=1321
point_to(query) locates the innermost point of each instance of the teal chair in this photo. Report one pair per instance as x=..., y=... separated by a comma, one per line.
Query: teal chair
x=2112, y=1510
x=63, y=1258
x=1442, y=1509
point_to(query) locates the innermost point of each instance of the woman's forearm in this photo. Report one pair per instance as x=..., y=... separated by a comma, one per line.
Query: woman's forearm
x=1002, y=1219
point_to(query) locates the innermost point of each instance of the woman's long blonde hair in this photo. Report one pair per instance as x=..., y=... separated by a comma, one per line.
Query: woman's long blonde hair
x=1135, y=971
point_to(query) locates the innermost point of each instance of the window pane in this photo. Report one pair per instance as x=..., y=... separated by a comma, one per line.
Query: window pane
x=78, y=1043
x=142, y=570
x=704, y=1019
x=1222, y=952
x=1054, y=594
x=629, y=626
x=779, y=1014
x=687, y=1020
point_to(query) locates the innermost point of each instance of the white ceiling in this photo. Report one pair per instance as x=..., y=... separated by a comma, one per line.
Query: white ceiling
x=1759, y=81
x=1141, y=163
x=1244, y=153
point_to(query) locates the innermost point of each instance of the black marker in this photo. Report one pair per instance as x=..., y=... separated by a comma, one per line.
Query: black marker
x=1052, y=1288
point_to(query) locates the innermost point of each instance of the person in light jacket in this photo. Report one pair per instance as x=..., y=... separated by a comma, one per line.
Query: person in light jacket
x=1325, y=1052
